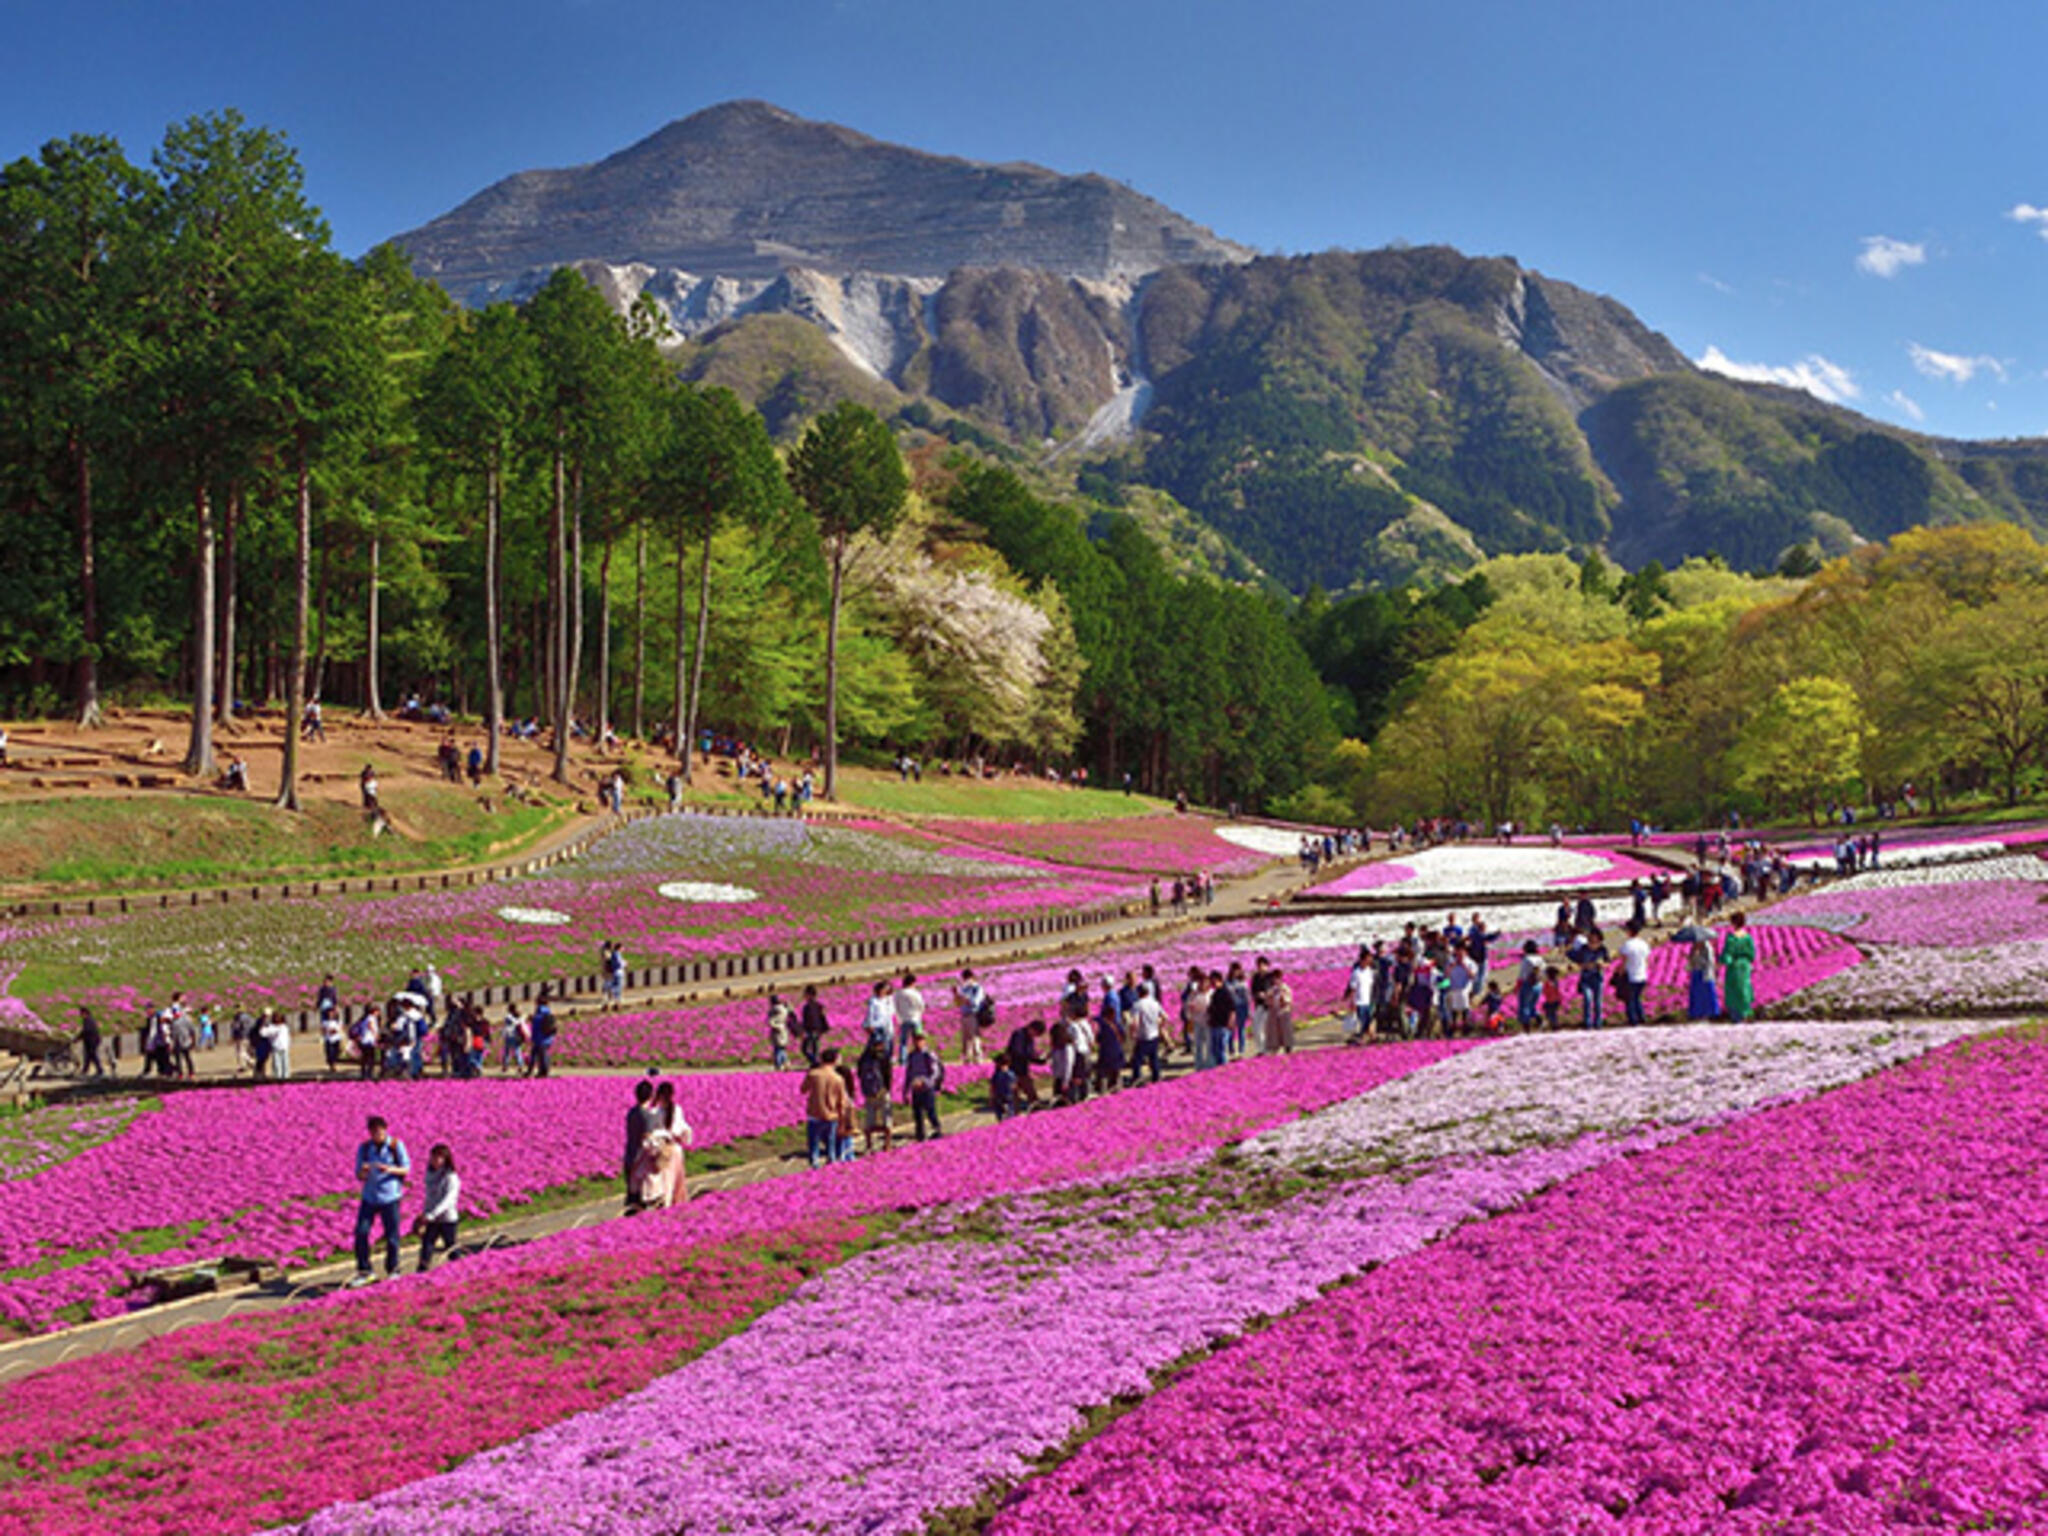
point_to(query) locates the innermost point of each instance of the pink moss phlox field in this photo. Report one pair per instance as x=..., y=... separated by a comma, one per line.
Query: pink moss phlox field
x=1952, y=915
x=1789, y=960
x=1367, y=877
x=1620, y=866
x=1095, y=1297
x=1101, y=1138
x=1823, y=1318
x=806, y=885
x=1147, y=845
x=736, y=1030
x=1104, y=1136
x=228, y=1428
x=239, y=1170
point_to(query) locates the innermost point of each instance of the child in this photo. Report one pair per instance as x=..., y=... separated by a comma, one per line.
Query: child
x=1490, y=1005
x=1553, y=997
x=1002, y=1089
x=436, y=1224
x=1458, y=993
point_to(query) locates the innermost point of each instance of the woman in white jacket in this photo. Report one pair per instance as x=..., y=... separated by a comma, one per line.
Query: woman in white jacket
x=436, y=1224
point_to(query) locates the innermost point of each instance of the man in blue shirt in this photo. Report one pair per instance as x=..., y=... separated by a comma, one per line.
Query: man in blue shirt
x=381, y=1167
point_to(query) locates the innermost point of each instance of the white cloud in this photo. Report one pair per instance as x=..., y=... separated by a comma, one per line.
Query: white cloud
x=1907, y=403
x=1882, y=256
x=1715, y=283
x=1952, y=366
x=2027, y=213
x=1815, y=374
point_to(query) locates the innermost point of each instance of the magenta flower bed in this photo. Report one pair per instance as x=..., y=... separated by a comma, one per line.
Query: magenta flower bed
x=1148, y=845
x=1817, y=1320
x=1620, y=866
x=1367, y=877
x=1789, y=960
x=1965, y=914
x=1130, y=1297
x=226, y=1428
x=239, y=1170
x=736, y=1030
x=243, y=1480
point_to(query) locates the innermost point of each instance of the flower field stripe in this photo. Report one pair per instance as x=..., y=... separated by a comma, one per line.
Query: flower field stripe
x=1554, y=1089
x=811, y=885
x=988, y=1386
x=1933, y=979
x=277, y=1162
x=1954, y=914
x=152, y=1391
x=1824, y=1317
x=1145, y=845
x=948, y=1366
x=231, y=1427
x=735, y=1030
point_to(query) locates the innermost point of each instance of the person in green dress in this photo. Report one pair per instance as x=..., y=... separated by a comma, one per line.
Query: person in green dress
x=1738, y=966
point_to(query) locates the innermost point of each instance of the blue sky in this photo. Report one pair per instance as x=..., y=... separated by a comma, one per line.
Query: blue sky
x=1852, y=195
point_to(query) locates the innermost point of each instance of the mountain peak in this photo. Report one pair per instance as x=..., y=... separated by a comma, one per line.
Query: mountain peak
x=747, y=189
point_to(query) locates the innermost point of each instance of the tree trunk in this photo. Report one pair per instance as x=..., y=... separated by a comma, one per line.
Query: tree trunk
x=703, y=633
x=87, y=686
x=315, y=677
x=832, y=672
x=302, y=601
x=558, y=554
x=682, y=654
x=494, y=687
x=199, y=754
x=604, y=640
x=640, y=637
x=574, y=571
x=375, y=699
x=231, y=522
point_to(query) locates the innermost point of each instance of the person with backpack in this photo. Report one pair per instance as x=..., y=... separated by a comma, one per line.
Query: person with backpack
x=826, y=1106
x=873, y=1072
x=544, y=1031
x=967, y=995
x=382, y=1168
x=984, y=1024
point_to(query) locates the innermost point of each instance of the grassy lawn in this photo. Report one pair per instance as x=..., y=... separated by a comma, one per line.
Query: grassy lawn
x=991, y=799
x=197, y=840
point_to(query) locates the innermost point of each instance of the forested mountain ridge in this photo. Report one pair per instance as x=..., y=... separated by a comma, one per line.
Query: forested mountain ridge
x=1343, y=418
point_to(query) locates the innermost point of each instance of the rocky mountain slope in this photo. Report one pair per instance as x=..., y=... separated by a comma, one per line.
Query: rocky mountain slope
x=1338, y=418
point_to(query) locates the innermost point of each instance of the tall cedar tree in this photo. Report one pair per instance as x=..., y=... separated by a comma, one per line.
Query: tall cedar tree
x=850, y=477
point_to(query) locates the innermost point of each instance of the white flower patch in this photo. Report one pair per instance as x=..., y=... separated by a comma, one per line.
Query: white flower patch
x=1947, y=980
x=1551, y=1089
x=1347, y=930
x=1274, y=841
x=1490, y=870
x=706, y=890
x=536, y=917
x=2013, y=866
